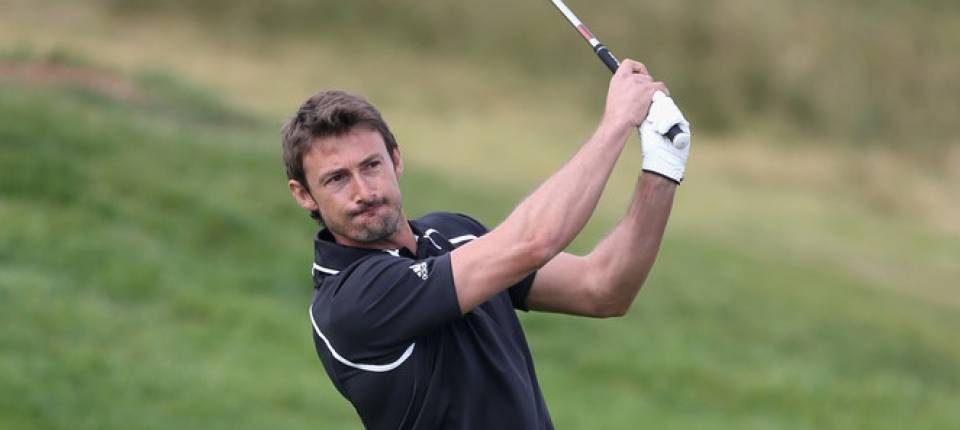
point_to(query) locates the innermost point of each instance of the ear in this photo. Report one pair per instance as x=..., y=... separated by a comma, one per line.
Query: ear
x=397, y=161
x=302, y=195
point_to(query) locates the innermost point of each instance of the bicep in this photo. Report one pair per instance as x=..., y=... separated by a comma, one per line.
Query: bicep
x=488, y=265
x=564, y=285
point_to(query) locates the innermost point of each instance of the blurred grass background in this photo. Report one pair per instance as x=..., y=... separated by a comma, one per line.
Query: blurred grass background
x=154, y=273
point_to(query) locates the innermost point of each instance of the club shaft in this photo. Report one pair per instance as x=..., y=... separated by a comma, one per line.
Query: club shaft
x=599, y=48
x=605, y=55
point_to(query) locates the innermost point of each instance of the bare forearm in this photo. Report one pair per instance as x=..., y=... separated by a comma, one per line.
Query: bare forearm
x=624, y=258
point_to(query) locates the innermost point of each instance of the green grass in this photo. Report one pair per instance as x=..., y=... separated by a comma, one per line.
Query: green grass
x=154, y=274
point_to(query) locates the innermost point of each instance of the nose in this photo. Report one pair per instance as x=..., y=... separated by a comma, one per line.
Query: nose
x=363, y=190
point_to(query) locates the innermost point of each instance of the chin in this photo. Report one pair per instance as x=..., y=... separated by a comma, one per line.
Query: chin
x=380, y=230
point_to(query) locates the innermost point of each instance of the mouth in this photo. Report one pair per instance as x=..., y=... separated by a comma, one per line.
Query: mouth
x=367, y=212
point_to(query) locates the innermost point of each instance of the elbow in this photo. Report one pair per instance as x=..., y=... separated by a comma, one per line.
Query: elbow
x=535, y=243
x=537, y=251
x=537, y=255
x=609, y=302
x=611, y=310
x=617, y=311
x=527, y=256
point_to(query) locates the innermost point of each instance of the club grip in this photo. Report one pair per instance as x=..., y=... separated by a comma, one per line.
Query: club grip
x=673, y=132
x=611, y=62
x=676, y=136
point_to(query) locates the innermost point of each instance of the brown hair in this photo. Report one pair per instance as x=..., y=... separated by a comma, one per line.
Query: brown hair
x=327, y=114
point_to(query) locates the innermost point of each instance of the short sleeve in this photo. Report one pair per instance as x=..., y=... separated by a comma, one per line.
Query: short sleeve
x=471, y=224
x=384, y=302
x=467, y=224
x=520, y=291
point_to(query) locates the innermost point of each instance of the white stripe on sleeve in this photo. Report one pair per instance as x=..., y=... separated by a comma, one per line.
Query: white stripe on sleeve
x=368, y=367
x=463, y=238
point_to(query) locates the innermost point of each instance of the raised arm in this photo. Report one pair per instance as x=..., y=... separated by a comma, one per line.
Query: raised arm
x=604, y=282
x=545, y=222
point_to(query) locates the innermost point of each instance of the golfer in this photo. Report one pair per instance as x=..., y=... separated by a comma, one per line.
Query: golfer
x=414, y=320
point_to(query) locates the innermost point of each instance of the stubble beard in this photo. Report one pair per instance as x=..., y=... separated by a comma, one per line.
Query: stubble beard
x=378, y=228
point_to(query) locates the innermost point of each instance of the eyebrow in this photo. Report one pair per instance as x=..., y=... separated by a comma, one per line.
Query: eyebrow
x=322, y=178
x=341, y=170
x=370, y=158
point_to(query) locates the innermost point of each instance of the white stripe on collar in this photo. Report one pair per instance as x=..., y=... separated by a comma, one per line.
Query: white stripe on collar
x=427, y=234
x=319, y=268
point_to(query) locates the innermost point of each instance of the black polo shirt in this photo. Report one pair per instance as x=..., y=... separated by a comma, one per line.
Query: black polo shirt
x=388, y=329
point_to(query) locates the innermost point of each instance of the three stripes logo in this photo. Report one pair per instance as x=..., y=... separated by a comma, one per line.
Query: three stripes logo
x=421, y=270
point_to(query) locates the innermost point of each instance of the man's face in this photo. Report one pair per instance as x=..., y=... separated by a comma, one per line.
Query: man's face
x=353, y=182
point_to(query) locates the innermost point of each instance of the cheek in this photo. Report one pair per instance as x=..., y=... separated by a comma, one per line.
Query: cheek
x=328, y=203
x=392, y=190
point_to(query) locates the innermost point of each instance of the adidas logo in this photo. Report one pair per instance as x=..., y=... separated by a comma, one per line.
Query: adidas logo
x=421, y=270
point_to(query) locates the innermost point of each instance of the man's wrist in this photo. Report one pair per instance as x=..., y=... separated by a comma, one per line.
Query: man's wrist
x=660, y=177
x=616, y=122
x=664, y=164
x=617, y=129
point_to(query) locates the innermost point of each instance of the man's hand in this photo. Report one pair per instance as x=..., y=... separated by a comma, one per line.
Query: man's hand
x=634, y=99
x=659, y=154
x=630, y=94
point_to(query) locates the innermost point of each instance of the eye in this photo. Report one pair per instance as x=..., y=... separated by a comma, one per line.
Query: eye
x=335, y=178
x=374, y=164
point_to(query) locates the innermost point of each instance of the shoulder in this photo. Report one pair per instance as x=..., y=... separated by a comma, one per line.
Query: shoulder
x=376, y=280
x=364, y=272
x=453, y=225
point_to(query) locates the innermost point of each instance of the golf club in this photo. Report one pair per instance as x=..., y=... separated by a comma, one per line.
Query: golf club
x=675, y=134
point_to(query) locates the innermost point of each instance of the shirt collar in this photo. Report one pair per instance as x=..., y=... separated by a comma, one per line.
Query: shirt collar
x=331, y=257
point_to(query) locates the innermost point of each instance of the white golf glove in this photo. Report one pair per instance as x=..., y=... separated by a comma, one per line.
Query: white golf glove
x=660, y=155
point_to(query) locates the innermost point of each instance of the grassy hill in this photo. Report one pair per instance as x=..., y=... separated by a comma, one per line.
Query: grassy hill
x=153, y=274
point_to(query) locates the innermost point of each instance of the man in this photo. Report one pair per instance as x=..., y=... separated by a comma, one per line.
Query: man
x=414, y=320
